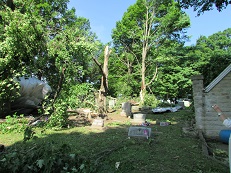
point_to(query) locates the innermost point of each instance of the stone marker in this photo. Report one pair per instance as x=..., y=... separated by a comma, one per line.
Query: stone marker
x=139, y=132
x=135, y=108
x=98, y=123
x=112, y=103
x=139, y=118
x=126, y=109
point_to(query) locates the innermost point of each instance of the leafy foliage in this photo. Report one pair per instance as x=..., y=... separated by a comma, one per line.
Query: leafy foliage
x=140, y=35
x=210, y=56
x=59, y=117
x=28, y=133
x=81, y=95
x=205, y=5
x=46, y=40
x=46, y=157
x=13, y=124
x=151, y=101
x=174, y=77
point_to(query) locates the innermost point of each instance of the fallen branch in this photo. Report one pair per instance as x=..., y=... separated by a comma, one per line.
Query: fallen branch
x=106, y=153
x=34, y=120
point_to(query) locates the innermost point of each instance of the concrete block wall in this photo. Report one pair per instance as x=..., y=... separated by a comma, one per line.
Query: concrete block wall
x=206, y=118
x=198, y=97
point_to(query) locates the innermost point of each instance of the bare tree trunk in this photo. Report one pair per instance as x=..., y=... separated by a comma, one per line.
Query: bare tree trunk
x=147, y=43
x=143, y=69
x=102, y=102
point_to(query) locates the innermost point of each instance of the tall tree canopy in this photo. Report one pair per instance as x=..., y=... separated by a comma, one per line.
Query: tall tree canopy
x=210, y=56
x=142, y=32
x=174, y=77
x=44, y=39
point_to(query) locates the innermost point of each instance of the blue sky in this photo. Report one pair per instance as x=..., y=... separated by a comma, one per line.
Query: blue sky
x=103, y=15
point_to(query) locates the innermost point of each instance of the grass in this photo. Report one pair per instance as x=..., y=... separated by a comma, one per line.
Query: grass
x=167, y=151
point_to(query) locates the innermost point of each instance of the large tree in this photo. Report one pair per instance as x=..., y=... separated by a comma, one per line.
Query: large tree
x=44, y=39
x=173, y=79
x=143, y=30
x=211, y=55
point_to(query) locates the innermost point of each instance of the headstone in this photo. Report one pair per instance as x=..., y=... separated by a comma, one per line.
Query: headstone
x=139, y=118
x=139, y=132
x=98, y=123
x=181, y=103
x=135, y=108
x=126, y=109
x=112, y=103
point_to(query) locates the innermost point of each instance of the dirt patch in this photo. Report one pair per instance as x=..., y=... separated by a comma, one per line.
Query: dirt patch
x=84, y=120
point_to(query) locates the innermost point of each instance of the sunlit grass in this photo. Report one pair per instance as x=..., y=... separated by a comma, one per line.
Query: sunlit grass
x=168, y=150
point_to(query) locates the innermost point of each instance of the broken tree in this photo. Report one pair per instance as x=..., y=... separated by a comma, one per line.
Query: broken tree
x=102, y=94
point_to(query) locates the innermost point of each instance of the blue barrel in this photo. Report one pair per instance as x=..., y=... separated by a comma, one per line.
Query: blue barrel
x=224, y=136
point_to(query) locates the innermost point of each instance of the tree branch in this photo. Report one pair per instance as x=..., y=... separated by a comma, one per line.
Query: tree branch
x=59, y=85
x=154, y=76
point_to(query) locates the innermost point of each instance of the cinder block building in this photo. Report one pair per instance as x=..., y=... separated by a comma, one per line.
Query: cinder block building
x=217, y=92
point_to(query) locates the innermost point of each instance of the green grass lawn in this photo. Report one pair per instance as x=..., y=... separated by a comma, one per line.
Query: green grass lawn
x=167, y=151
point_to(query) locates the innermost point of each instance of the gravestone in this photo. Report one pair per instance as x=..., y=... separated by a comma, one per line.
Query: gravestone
x=139, y=118
x=112, y=103
x=126, y=109
x=98, y=123
x=181, y=103
x=139, y=132
x=135, y=108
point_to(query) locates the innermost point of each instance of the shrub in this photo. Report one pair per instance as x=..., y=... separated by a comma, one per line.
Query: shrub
x=81, y=95
x=46, y=157
x=14, y=123
x=59, y=117
x=150, y=100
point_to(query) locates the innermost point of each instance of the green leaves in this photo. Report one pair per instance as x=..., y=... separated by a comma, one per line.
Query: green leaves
x=14, y=124
x=204, y=5
x=144, y=32
x=40, y=163
x=46, y=40
x=44, y=157
x=210, y=56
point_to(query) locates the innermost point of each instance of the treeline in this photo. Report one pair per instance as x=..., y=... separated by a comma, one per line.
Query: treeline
x=45, y=39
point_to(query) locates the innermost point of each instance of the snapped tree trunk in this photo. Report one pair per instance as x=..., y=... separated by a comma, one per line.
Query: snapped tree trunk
x=102, y=95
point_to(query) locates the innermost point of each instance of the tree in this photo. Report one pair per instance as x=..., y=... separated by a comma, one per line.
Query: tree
x=22, y=38
x=205, y=5
x=46, y=40
x=103, y=91
x=174, y=77
x=210, y=56
x=144, y=29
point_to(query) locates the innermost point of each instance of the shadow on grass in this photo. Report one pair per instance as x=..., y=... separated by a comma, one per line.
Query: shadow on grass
x=86, y=149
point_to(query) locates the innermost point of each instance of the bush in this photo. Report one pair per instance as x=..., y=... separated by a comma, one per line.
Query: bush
x=16, y=124
x=46, y=157
x=81, y=95
x=59, y=117
x=150, y=101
